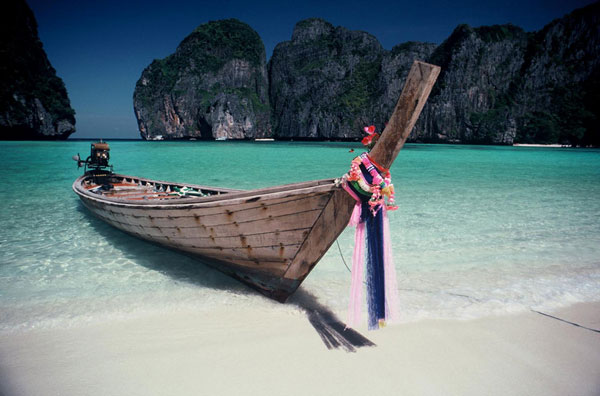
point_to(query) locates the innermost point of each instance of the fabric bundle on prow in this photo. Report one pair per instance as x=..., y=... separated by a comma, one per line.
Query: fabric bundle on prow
x=370, y=184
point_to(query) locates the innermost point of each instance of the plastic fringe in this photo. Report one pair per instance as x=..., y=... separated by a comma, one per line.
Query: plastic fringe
x=356, y=287
x=382, y=290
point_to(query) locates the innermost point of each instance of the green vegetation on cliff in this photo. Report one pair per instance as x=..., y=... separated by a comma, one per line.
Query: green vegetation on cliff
x=501, y=84
x=209, y=47
x=215, y=82
x=206, y=50
x=495, y=33
x=572, y=118
x=234, y=38
x=361, y=88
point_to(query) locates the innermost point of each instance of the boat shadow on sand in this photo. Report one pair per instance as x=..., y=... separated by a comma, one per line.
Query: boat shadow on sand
x=332, y=331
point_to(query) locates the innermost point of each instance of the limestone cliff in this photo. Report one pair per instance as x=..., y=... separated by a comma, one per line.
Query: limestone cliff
x=469, y=102
x=33, y=100
x=213, y=86
x=557, y=93
x=324, y=82
x=499, y=84
x=328, y=82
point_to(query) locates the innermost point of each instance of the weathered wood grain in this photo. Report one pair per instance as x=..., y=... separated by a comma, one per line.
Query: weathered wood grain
x=258, y=211
x=417, y=87
x=332, y=221
x=287, y=222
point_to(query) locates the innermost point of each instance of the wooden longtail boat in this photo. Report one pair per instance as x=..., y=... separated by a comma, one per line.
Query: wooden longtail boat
x=268, y=238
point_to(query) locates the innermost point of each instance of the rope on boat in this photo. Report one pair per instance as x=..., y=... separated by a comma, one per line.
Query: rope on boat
x=566, y=321
x=342, y=256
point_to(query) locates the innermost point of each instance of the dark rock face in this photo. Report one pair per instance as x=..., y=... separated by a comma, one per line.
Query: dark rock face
x=558, y=89
x=33, y=100
x=395, y=66
x=469, y=101
x=328, y=82
x=499, y=84
x=323, y=82
x=213, y=86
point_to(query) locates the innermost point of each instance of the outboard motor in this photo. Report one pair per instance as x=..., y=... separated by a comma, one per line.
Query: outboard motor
x=100, y=153
x=97, y=163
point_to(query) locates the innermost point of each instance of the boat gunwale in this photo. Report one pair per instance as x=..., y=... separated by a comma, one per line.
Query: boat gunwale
x=230, y=196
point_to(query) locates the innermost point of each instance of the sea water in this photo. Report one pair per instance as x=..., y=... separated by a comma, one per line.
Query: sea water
x=480, y=230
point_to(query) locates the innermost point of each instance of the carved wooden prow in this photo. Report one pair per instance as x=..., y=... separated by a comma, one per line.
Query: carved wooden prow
x=336, y=214
x=419, y=82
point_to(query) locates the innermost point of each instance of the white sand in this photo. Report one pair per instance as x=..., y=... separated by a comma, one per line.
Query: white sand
x=252, y=353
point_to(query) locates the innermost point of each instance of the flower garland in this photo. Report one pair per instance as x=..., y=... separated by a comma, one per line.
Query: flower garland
x=370, y=185
x=378, y=189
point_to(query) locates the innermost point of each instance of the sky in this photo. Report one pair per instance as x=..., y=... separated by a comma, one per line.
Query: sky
x=100, y=48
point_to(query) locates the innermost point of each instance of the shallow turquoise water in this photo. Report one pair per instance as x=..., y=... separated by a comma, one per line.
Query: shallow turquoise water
x=480, y=230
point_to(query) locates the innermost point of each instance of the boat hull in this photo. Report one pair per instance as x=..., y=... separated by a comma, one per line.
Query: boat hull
x=269, y=239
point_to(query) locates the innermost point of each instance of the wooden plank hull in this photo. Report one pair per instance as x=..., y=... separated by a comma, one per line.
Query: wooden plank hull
x=269, y=239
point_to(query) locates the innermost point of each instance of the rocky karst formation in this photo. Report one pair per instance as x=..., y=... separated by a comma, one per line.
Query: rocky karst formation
x=33, y=100
x=328, y=82
x=213, y=86
x=469, y=101
x=499, y=84
x=557, y=92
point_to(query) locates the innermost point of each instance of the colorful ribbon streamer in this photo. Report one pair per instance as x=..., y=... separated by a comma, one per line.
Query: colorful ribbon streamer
x=369, y=184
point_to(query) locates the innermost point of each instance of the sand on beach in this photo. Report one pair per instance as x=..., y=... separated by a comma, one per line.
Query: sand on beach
x=251, y=353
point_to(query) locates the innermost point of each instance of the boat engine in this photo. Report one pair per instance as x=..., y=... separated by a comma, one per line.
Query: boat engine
x=97, y=163
x=100, y=155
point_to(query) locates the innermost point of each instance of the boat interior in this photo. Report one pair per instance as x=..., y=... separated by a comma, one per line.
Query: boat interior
x=137, y=189
x=120, y=188
x=100, y=181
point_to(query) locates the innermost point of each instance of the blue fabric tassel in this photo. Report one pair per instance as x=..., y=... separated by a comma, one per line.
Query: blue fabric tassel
x=374, y=260
x=378, y=255
x=375, y=267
